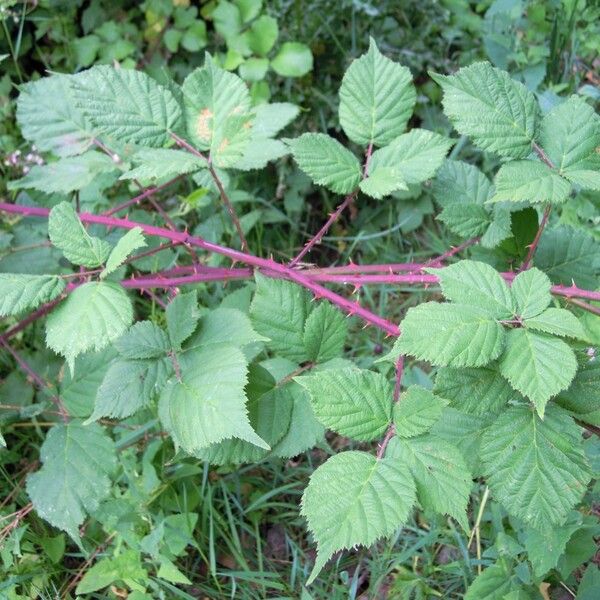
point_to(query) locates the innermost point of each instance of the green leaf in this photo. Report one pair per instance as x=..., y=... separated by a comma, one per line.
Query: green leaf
x=263, y=35
x=570, y=135
x=304, y=430
x=377, y=97
x=269, y=412
x=537, y=365
x=293, y=60
x=67, y=233
x=476, y=284
x=260, y=152
x=529, y=181
x=91, y=317
x=546, y=546
x=583, y=395
x=495, y=583
x=19, y=292
x=215, y=100
x=354, y=403
x=65, y=175
x=535, y=468
x=417, y=411
x=254, y=69
x=479, y=392
x=441, y=475
x=557, y=321
x=531, y=292
x=382, y=181
x=77, y=463
x=279, y=311
x=465, y=219
x=182, y=317
x=458, y=182
x=208, y=404
x=417, y=155
x=48, y=117
x=153, y=164
x=454, y=335
x=463, y=431
x=355, y=499
x=224, y=326
x=169, y=572
x=143, y=340
x=326, y=162
x=271, y=118
x=569, y=255
x=126, y=104
x=498, y=113
x=124, y=567
x=131, y=241
x=325, y=333
x=78, y=390
x=128, y=386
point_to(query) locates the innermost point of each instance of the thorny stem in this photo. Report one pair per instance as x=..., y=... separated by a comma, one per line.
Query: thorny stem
x=224, y=197
x=273, y=269
x=316, y=239
x=43, y=385
x=536, y=239
x=147, y=193
x=397, y=386
x=333, y=217
x=546, y=160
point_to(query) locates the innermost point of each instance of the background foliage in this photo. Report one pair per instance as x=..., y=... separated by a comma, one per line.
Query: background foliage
x=174, y=526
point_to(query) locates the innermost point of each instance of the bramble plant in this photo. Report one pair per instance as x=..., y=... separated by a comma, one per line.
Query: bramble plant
x=516, y=373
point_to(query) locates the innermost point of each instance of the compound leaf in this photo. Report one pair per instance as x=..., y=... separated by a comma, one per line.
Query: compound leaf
x=498, y=113
x=67, y=233
x=279, y=311
x=377, y=97
x=416, y=155
x=48, y=117
x=208, y=404
x=217, y=112
x=557, y=321
x=457, y=182
x=569, y=255
x=536, y=468
x=128, y=386
x=19, y=291
x=131, y=241
x=354, y=403
x=447, y=334
x=152, y=164
x=382, y=181
x=480, y=392
x=182, y=317
x=570, y=135
x=304, y=430
x=537, y=365
x=271, y=118
x=443, y=479
x=126, y=104
x=77, y=463
x=326, y=162
x=417, y=411
x=92, y=316
x=476, y=284
x=65, y=175
x=531, y=292
x=529, y=181
x=143, y=339
x=325, y=333
x=355, y=499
